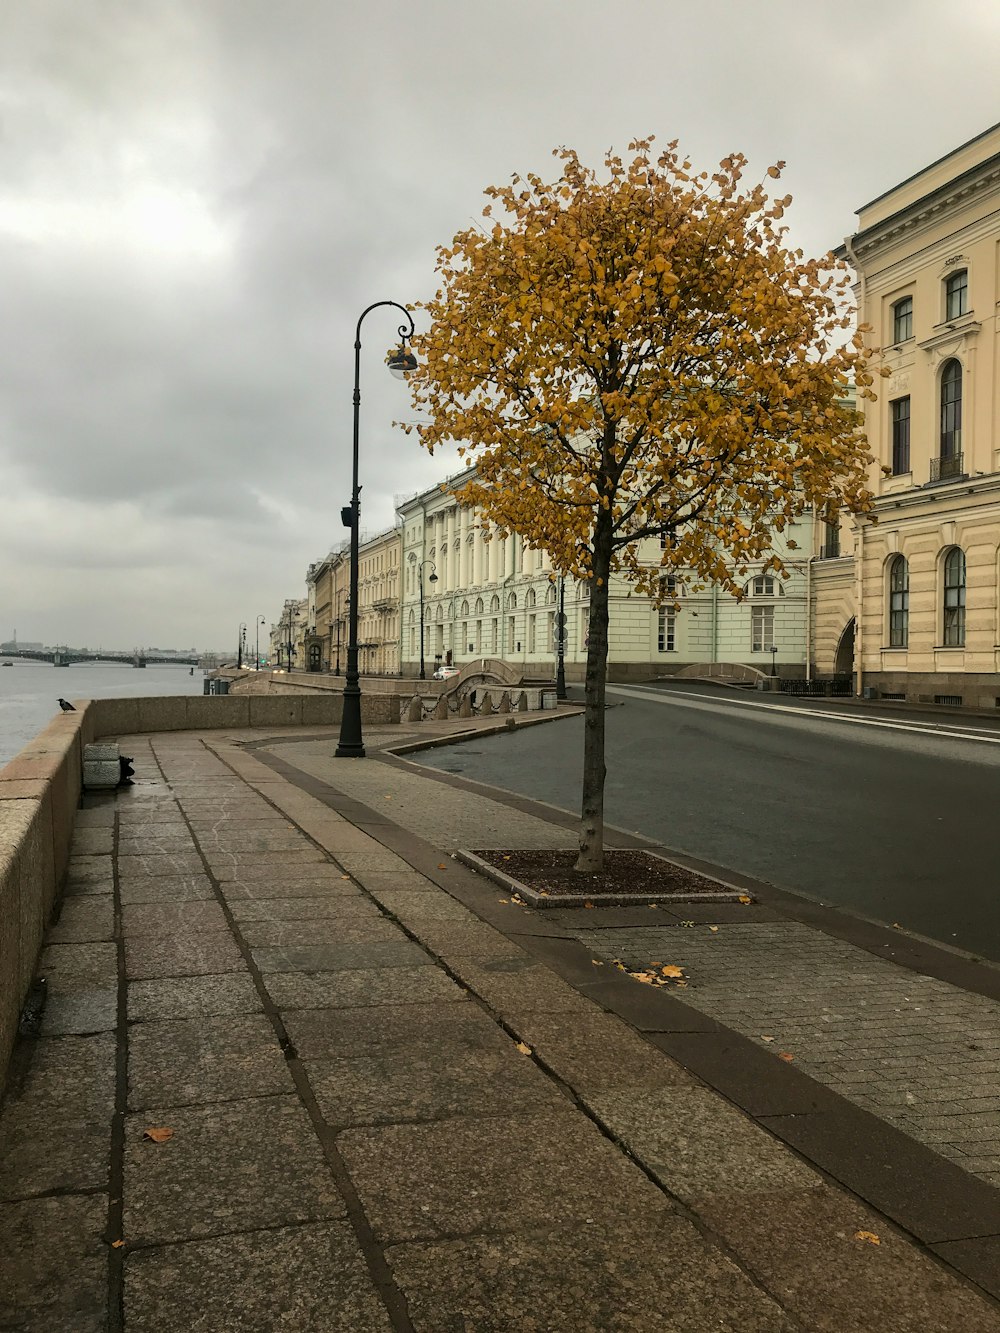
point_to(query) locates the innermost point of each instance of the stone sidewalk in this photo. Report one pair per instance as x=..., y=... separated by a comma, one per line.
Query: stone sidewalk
x=299, y=1069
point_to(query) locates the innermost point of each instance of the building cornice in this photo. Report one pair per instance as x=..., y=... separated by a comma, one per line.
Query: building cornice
x=976, y=181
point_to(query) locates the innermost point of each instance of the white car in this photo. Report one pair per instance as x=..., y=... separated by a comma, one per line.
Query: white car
x=446, y=672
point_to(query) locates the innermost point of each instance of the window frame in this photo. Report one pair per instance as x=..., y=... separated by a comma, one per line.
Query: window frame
x=764, y=641
x=954, y=579
x=898, y=601
x=902, y=320
x=899, y=431
x=952, y=384
x=956, y=293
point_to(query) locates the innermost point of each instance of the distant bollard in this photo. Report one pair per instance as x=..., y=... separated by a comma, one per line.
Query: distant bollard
x=441, y=708
x=416, y=710
x=504, y=705
x=486, y=707
x=522, y=703
x=465, y=708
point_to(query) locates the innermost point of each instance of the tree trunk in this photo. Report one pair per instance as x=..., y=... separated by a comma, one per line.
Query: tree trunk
x=591, y=857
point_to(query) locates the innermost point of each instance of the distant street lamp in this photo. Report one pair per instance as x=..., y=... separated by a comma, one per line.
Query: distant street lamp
x=400, y=362
x=241, y=643
x=774, y=658
x=431, y=578
x=288, y=640
x=340, y=621
x=261, y=620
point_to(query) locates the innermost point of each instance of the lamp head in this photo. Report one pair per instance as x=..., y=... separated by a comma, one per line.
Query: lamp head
x=432, y=578
x=401, y=361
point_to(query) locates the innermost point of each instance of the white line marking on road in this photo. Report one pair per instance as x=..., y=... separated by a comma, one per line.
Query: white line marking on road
x=920, y=728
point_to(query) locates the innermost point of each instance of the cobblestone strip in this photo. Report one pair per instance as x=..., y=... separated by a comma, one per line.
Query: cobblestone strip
x=919, y=1053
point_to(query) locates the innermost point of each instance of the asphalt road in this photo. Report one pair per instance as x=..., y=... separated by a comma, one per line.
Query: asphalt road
x=893, y=815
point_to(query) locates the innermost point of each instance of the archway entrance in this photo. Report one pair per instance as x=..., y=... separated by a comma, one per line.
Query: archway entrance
x=844, y=662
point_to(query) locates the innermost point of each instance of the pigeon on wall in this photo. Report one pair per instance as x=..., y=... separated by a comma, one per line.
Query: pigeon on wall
x=66, y=707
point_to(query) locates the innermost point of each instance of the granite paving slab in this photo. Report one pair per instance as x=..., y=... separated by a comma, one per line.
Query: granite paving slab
x=363, y=987
x=166, y=889
x=162, y=863
x=229, y=1167
x=80, y=868
x=429, y=904
x=192, y=997
x=453, y=1177
x=222, y=1058
x=478, y=940
x=806, y=1245
x=297, y=868
x=55, y=1265
x=186, y=954
x=167, y=918
x=81, y=888
x=521, y=989
x=428, y=1080
x=340, y=957
x=596, y=1051
x=90, y=841
x=327, y=881
x=83, y=920
x=696, y=1145
x=79, y=1012
x=68, y=967
x=611, y=1277
x=304, y=1279
x=362, y=929
x=245, y=840
x=340, y=906
x=319, y=1033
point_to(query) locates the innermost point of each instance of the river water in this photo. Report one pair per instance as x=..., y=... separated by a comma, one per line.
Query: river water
x=29, y=691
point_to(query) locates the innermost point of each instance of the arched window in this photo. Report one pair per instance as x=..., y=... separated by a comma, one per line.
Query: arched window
x=765, y=585
x=899, y=603
x=479, y=606
x=950, y=450
x=512, y=601
x=902, y=320
x=465, y=609
x=954, y=598
x=550, y=593
x=494, y=603
x=529, y=597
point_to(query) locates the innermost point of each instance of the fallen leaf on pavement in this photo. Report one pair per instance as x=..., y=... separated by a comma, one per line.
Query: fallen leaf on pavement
x=158, y=1135
x=786, y=1056
x=869, y=1236
x=745, y=898
x=767, y=1039
x=597, y=962
x=672, y=970
x=588, y=904
x=504, y=900
x=442, y=866
x=525, y=1050
x=714, y=929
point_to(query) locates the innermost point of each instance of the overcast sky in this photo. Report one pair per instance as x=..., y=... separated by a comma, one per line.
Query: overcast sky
x=199, y=197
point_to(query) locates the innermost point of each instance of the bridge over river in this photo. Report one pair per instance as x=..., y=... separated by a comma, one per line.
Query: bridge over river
x=65, y=656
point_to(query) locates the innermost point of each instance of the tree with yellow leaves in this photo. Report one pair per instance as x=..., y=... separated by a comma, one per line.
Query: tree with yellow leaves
x=641, y=355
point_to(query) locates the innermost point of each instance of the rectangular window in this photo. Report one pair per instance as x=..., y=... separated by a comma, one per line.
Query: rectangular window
x=761, y=628
x=956, y=294
x=831, y=546
x=665, y=641
x=900, y=409
x=531, y=633
x=902, y=320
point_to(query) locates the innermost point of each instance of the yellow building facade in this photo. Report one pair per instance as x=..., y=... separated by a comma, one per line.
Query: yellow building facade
x=912, y=602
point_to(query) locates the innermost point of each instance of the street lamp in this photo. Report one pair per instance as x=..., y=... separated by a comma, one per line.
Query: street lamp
x=431, y=578
x=261, y=620
x=400, y=362
x=241, y=644
x=561, y=641
x=774, y=657
x=288, y=640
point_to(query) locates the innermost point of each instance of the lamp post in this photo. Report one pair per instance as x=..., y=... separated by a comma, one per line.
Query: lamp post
x=561, y=641
x=241, y=643
x=400, y=362
x=431, y=578
x=774, y=658
x=288, y=640
x=261, y=620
